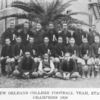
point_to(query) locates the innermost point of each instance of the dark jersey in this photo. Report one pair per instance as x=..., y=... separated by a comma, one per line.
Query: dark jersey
x=7, y=51
x=27, y=64
x=9, y=34
x=43, y=48
x=67, y=66
x=85, y=49
x=59, y=49
x=72, y=49
x=38, y=35
x=30, y=47
x=94, y=48
x=17, y=49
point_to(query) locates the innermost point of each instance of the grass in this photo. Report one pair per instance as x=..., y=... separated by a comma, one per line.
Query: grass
x=48, y=83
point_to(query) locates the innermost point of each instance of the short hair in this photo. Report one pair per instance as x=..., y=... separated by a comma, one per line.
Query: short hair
x=60, y=37
x=27, y=52
x=46, y=37
x=26, y=22
x=7, y=38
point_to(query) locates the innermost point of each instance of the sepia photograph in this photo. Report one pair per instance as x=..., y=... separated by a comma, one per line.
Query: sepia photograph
x=49, y=43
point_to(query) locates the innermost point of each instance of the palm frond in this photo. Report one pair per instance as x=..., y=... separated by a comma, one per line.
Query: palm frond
x=76, y=21
x=44, y=10
x=22, y=5
x=19, y=16
x=78, y=13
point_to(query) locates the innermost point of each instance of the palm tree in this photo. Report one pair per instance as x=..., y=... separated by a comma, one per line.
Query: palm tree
x=45, y=12
x=42, y=10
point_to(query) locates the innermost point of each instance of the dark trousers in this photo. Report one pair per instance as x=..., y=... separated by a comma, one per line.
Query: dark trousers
x=3, y=66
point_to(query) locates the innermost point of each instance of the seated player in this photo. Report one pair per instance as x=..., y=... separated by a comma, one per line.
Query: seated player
x=46, y=67
x=60, y=47
x=18, y=50
x=26, y=67
x=32, y=47
x=85, y=54
x=6, y=58
x=95, y=54
x=67, y=68
x=59, y=51
x=72, y=48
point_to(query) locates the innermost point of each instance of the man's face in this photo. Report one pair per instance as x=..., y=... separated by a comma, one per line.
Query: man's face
x=67, y=56
x=72, y=41
x=7, y=41
x=97, y=40
x=65, y=26
x=27, y=54
x=46, y=40
x=51, y=26
x=31, y=40
x=60, y=40
x=12, y=25
x=85, y=40
x=18, y=40
x=46, y=57
x=38, y=26
x=26, y=25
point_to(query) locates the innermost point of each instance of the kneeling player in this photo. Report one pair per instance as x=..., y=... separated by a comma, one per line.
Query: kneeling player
x=7, y=64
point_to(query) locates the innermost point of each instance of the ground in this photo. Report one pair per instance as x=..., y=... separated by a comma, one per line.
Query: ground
x=48, y=83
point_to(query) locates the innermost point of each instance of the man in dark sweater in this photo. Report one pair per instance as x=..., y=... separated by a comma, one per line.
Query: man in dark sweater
x=39, y=34
x=85, y=51
x=45, y=47
x=95, y=46
x=52, y=33
x=60, y=47
x=72, y=48
x=85, y=54
x=18, y=48
x=66, y=33
x=27, y=66
x=9, y=33
x=95, y=54
x=6, y=53
x=24, y=33
x=67, y=68
x=31, y=47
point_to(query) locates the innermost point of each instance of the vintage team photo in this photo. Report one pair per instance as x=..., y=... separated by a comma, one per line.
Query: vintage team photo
x=50, y=43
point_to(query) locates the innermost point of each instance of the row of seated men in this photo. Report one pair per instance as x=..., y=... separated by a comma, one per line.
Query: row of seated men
x=45, y=60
